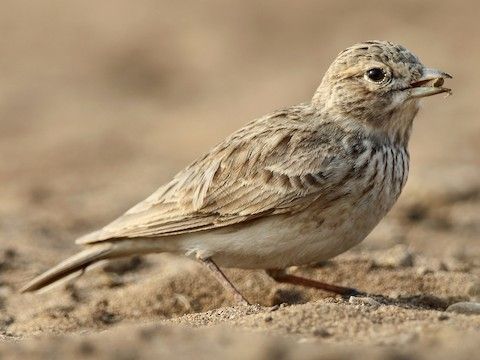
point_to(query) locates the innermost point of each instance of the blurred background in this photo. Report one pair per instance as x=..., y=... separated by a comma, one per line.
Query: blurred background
x=101, y=102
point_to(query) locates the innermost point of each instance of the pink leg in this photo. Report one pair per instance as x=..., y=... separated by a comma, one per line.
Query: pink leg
x=282, y=277
x=224, y=281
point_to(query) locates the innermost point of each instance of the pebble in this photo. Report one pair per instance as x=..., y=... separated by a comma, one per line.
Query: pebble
x=364, y=300
x=443, y=317
x=321, y=332
x=274, y=308
x=6, y=320
x=469, y=308
x=268, y=318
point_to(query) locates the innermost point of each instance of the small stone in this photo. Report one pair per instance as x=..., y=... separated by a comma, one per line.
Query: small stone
x=6, y=320
x=102, y=315
x=469, y=308
x=443, y=317
x=364, y=300
x=442, y=266
x=268, y=318
x=321, y=332
x=274, y=308
x=105, y=317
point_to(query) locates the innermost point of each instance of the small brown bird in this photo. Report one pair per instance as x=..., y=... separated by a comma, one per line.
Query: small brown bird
x=297, y=186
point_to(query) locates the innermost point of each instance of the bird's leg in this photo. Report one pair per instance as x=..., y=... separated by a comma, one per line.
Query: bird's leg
x=210, y=265
x=282, y=277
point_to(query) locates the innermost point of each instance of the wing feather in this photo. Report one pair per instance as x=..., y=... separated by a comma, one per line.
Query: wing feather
x=278, y=164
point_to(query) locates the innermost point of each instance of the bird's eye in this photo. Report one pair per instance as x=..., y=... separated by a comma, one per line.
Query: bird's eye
x=376, y=75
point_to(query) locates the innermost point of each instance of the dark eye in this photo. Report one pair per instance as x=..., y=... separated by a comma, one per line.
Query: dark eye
x=376, y=74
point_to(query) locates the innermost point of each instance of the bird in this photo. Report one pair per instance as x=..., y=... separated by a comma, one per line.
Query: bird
x=297, y=186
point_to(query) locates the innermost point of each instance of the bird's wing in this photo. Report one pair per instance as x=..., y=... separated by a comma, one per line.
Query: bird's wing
x=278, y=164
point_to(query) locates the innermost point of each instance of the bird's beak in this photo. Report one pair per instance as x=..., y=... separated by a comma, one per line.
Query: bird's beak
x=429, y=84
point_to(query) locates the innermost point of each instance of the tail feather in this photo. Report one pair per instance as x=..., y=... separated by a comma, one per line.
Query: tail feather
x=79, y=261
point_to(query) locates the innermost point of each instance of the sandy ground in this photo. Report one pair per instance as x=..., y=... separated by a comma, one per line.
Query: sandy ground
x=102, y=102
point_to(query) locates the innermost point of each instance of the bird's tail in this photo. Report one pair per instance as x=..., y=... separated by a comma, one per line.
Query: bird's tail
x=96, y=252
x=75, y=263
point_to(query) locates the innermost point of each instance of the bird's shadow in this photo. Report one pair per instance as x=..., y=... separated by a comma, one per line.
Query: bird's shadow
x=416, y=301
x=411, y=302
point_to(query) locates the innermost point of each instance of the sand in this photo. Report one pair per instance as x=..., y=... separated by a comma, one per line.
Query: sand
x=100, y=103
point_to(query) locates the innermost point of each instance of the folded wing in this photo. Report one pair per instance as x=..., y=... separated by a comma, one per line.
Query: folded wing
x=274, y=165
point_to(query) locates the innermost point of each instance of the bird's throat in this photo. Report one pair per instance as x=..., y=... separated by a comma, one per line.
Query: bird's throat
x=397, y=126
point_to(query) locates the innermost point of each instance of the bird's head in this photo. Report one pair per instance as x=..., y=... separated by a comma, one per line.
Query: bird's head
x=379, y=84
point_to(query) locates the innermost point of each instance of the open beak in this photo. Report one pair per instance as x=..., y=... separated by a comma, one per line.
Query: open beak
x=429, y=84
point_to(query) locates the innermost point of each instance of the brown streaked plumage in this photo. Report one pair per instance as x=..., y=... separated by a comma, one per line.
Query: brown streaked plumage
x=294, y=187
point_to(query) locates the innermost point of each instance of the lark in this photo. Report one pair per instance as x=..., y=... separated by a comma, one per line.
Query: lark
x=294, y=187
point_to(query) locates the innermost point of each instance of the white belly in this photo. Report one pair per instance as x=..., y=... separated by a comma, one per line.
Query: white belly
x=281, y=241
